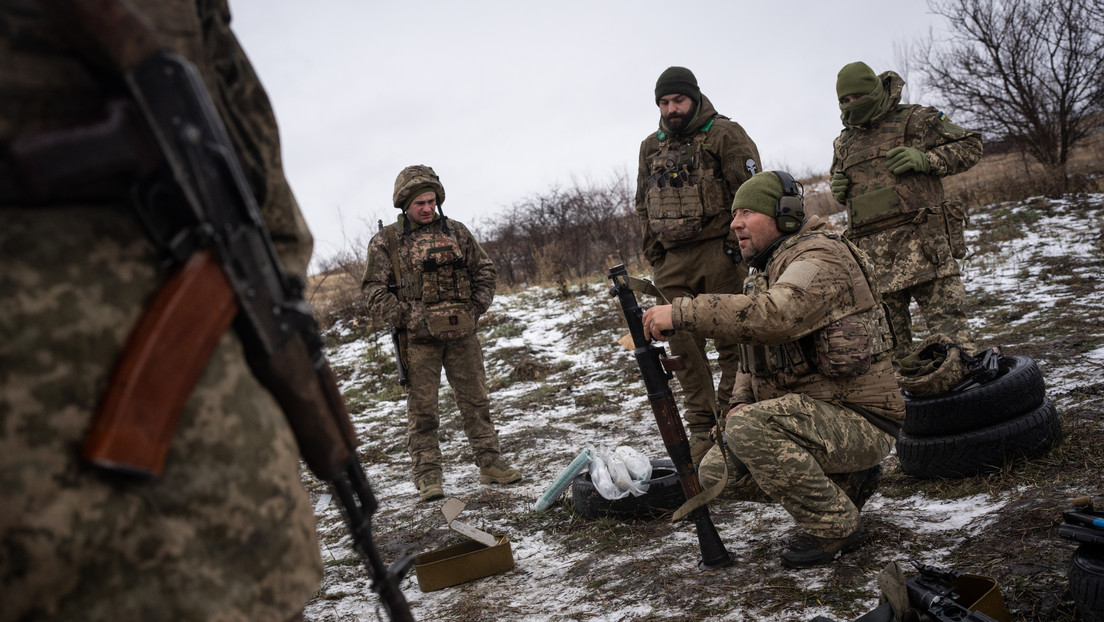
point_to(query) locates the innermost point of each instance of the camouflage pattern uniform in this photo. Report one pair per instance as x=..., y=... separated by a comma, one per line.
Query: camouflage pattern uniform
x=438, y=310
x=911, y=234
x=686, y=237
x=227, y=532
x=818, y=384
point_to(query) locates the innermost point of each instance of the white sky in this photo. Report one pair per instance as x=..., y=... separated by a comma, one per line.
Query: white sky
x=506, y=99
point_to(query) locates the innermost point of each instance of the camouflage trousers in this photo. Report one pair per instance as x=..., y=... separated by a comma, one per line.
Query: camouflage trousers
x=225, y=533
x=463, y=363
x=786, y=450
x=690, y=271
x=941, y=302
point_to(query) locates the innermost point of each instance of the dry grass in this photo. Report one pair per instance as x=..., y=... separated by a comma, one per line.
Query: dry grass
x=998, y=177
x=1012, y=176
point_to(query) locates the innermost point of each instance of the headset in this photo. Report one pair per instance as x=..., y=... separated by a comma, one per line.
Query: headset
x=789, y=212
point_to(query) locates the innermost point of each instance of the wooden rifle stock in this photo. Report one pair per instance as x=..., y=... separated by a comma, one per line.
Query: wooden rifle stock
x=229, y=273
x=163, y=359
x=648, y=357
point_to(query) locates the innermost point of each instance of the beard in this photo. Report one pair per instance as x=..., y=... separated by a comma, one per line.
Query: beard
x=748, y=250
x=678, y=122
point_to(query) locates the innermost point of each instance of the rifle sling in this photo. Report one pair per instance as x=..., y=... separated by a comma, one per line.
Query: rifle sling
x=393, y=251
x=699, y=367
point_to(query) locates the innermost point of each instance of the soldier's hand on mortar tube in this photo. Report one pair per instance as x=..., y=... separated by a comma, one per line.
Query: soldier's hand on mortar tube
x=839, y=184
x=904, y=159
x=656, y=320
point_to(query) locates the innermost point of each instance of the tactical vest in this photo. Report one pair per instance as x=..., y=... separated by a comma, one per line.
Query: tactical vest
x=879, y=199
x=685, y=189
x=844, y=348
x=440, y=280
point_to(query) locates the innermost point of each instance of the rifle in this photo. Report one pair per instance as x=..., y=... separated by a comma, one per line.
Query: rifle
x=227, y=271
x=655, y=368
x=931, y=596
x=399, y=365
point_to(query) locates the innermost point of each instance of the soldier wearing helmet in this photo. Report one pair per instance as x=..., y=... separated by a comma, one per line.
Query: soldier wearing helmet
x=427, y=276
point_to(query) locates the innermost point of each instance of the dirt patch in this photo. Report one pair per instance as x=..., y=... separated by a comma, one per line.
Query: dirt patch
x=1034, y=290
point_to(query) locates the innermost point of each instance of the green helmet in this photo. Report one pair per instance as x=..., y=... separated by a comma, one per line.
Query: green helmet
x=414, y=180
x=934, y=367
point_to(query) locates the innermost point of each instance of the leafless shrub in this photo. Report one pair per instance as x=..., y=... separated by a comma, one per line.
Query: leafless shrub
x=564, y=233
x=1027, y=71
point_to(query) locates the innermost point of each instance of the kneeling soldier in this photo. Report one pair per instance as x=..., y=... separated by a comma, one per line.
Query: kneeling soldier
x=815, y=401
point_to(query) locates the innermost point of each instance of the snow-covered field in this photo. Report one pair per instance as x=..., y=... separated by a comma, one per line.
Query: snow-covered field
x=560, y=382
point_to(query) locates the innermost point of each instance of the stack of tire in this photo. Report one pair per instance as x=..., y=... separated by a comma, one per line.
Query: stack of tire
x=664, y=496
x=982, y=428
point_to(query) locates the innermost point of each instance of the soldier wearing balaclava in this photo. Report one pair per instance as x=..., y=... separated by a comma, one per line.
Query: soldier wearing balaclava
x=887, y=169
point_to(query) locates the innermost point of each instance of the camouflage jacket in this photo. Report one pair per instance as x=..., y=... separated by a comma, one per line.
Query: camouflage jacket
x=227, y=532
x=903, y=222
x=726, y=155
x=812, y=290
x=411, y=312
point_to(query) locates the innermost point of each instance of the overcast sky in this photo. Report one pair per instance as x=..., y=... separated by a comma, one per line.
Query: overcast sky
x=507, y=99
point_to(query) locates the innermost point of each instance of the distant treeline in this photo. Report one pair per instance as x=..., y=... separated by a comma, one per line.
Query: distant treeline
x=564, y=234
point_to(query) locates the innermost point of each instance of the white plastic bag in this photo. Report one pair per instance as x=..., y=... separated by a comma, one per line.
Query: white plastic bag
x=618, y=473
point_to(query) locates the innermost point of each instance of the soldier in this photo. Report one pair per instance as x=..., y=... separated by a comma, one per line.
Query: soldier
x=816, y=393
x=688, y=173
x=887, y=166
x=227, y=531
x=427, y=276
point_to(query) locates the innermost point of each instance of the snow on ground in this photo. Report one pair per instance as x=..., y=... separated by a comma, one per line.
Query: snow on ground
x=588, y=392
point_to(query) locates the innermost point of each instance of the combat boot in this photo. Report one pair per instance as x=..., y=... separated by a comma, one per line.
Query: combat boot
x=808, y=550
x=701, y=441
x=859, y=486
x=429, y=486
x=498, y=472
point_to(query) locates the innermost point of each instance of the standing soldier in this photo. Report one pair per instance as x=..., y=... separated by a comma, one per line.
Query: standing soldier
x=428, y=276
x=887, y=166
x=688, y=173
x=227, y=531
x=815, y=408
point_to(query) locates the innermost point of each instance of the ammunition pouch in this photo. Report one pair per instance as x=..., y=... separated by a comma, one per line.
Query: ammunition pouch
x=449, y=320
x=844, y=348
x=879, y=199
x=683, y=193
x=441, y=281
x=850, y=345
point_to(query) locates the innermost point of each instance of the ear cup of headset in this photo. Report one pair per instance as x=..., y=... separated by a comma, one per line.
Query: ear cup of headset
x=789, y=212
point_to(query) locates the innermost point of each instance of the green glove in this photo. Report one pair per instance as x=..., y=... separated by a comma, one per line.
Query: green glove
x=839, y=184
x=904, y=159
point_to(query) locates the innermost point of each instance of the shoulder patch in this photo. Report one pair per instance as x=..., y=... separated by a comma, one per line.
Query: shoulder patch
x=799, y=274
x=942, y=116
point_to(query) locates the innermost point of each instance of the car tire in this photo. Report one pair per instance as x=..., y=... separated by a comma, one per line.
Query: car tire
x=987, y=450
x=663, y=497
x=1086, y=579
x=1017, y=390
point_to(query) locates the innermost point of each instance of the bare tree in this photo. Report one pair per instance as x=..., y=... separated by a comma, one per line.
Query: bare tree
x=565, y=233
x=1027, y=71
